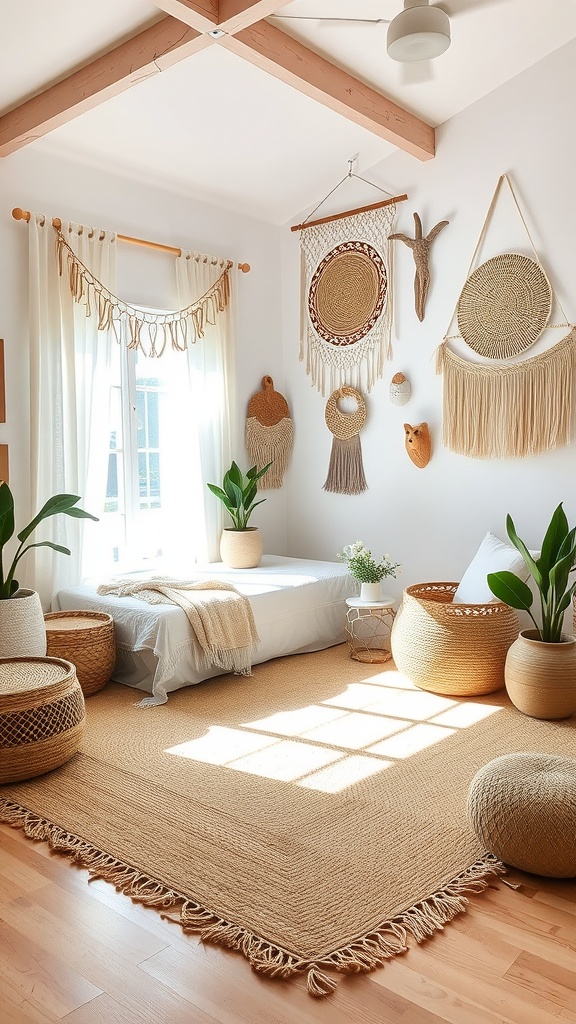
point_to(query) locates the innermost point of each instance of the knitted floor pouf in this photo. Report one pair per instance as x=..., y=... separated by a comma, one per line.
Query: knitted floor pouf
x=523, y=809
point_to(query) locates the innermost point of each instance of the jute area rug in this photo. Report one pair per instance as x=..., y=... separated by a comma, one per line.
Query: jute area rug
x=311, y=816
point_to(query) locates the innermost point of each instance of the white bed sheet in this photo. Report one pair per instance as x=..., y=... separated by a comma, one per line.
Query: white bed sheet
x=298, y=606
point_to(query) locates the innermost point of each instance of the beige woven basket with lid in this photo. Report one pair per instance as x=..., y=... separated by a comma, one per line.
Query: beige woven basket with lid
x=454, y=649
x=87, y=640
x=42, y=716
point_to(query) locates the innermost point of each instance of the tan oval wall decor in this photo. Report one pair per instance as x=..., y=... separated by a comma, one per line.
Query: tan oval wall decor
x=418, y=444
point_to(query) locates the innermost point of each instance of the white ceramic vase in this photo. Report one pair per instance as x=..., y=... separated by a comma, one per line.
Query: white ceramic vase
x=241, y=549
x=370, y=592
x=22, y=626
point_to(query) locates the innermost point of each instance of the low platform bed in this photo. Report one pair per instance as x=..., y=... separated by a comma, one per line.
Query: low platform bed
x=298, y=605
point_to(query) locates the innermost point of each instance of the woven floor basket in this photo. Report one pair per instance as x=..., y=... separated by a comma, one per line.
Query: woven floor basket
x=87, y=640
x=456, y=649
x=42, y=716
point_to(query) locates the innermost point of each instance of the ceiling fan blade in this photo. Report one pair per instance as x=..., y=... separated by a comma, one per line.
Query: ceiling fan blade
x=353, y=21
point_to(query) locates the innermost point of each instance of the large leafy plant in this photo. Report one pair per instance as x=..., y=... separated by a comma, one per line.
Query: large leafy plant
x=238, y=493
x=60, y=503
x=551, y=572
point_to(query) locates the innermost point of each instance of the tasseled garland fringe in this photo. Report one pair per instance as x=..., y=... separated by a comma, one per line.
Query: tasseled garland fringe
x=511, y=410
x=346, y=469
x=270, y=444
x=363, y=954
x=178, y=329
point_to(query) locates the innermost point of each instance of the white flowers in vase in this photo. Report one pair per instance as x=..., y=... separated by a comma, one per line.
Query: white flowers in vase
x=363, y=566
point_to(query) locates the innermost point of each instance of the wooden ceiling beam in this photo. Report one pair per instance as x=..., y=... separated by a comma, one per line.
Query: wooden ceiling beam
x=199, y=14
x=287, y=59
x=146, y=54
x=234, y=15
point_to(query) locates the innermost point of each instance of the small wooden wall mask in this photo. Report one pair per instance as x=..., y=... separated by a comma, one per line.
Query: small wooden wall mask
x=418, y=444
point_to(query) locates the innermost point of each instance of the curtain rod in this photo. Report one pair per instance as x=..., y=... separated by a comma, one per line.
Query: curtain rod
x=348, y=213
x=19, y=214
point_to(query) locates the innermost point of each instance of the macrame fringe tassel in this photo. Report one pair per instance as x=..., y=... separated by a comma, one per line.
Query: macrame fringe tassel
x=509, y=410
x=364, y=954
x=346, y=469
x=178, y=330
x=270, y=444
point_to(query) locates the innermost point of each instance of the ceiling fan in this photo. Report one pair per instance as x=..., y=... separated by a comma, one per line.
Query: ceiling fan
x=416, y=35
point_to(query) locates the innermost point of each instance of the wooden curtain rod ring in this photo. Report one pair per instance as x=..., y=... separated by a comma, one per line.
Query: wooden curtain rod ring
x=19, y=214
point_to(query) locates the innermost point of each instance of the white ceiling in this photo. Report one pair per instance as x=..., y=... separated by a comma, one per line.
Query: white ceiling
x=217, y=128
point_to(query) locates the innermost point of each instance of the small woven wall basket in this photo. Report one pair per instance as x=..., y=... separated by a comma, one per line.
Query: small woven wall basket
x=87, y=640
x=456, y=649
x=42, y=716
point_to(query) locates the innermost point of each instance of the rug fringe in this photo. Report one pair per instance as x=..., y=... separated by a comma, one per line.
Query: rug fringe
x=365, y=953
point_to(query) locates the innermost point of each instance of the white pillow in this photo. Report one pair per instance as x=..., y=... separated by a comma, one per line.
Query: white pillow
x=493, y=555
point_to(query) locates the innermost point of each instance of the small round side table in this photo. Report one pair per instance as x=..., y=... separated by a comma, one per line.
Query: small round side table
x=368, y=628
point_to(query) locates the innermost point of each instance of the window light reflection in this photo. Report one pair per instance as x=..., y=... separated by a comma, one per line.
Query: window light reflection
x=344, y=773
x=410, y=741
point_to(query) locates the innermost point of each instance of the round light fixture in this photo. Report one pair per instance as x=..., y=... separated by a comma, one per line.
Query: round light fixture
x=419, y=32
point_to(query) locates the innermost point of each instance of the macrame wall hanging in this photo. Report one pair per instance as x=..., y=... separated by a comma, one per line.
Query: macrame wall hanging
x=269, y=434
x=150, y=332
x=496, y=409
x=420, y=246
x=346, y=292
x=346, y=469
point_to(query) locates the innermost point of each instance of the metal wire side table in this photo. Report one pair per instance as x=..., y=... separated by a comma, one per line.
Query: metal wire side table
x=368, y=628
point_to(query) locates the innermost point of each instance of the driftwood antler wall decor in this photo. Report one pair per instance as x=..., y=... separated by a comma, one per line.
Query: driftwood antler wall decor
x=420, y=249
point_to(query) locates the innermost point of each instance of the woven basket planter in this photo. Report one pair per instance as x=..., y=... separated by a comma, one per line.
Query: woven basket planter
x=455, y=649
x=42, y=716
x=241, y=549
x=22, y=631
x=87, y=640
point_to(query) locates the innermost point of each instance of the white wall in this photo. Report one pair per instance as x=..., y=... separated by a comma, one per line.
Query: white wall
x=35, y=181
x=432, y=520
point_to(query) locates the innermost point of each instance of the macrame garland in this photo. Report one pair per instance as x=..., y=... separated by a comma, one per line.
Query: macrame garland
x=346, y=309
x=179, y=329
x=512, y=410
x=346, y=469
x=269, y=434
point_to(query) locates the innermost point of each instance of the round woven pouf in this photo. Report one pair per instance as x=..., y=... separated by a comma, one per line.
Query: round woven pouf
x=87, y=640
x=42, y=716
x=522, y=807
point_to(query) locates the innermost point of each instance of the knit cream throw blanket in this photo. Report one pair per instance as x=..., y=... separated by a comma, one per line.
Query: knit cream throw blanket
x=221, y=617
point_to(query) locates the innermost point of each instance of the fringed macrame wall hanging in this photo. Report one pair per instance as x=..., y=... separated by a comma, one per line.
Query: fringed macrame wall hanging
x=269, y=434
x=346, y=292
x=346, y=469
x=157, y=330
x=496, y=409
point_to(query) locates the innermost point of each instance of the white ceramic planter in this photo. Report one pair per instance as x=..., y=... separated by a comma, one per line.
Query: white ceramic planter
x=241, y=549
x=370, y=592
x=22, y=627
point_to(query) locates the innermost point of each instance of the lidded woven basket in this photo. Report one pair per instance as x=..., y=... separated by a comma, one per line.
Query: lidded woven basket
x=454, y=649
x=87, y=640
x=42, y=716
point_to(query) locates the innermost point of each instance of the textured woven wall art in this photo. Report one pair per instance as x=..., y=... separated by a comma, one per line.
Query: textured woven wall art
x=507, y=409
x=269, y=434
x=346, y=469
x=346, y=313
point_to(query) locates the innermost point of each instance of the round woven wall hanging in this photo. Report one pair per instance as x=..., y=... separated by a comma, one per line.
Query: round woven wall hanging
x=504, y=306
x=347, y=293
x=346, y=469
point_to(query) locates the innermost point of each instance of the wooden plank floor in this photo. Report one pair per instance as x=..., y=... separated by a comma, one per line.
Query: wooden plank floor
x=80, y=952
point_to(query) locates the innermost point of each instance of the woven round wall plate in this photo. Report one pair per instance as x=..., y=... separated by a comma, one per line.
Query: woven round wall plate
x=343, y=424
x=347, y=293
x=504, y=306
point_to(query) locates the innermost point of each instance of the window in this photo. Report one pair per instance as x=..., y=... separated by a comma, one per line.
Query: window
x=154, y=479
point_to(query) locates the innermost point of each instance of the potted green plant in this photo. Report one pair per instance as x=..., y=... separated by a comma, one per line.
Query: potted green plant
x=22, y=630
x=240, y=545
x=540, y=670
x=363, y=567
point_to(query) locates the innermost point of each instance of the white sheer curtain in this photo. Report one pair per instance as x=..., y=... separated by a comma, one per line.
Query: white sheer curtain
x=211, y=378
x=69, y=396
